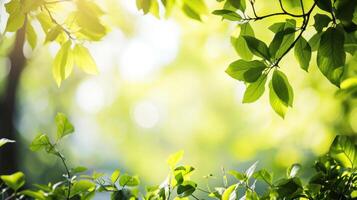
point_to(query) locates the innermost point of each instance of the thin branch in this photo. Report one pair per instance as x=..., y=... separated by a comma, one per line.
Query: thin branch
x=68, y=173
x=303, y=28
x=285, y=11
x=55, y=21
x=195, y=197
x=302, y=7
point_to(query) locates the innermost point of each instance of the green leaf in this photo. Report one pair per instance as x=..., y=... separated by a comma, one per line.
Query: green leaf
x=263, y=175
x=126, y=180
x=169, y=5
x=82, y=186
x=84, y=60
x=230, y=193
x=255, y=90
x=40, y=142
x=293, y=170
x=257, y=47
x=344, y=151
x=248, y=71
x=3, y=141
x=78, y=169
x=239, y=43
x=314, y=41
x=325, y=5
x=283, y=38
x=331, y=56
x=238, y=4
x=302, y=51
x=282, y=88
x=64, y=126
x=237, y=175
x=279, y=107
x=186, y=189
x=321, y=21
x=63, y=63
x=31, y=36
x=174, y=159
x=115, y=176
x=228, y=14
x=14, y=181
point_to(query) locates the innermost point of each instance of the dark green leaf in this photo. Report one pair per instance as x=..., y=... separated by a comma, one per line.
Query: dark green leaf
x=321, y=21
x=186, y=189
x=314, y=41
x=228, y=14
x=282, y=88
x=283, y=39
x=263, y=175
x=257, y=47
x=325, y=5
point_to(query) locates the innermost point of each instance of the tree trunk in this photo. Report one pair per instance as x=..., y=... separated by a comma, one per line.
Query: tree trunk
x=9, y=153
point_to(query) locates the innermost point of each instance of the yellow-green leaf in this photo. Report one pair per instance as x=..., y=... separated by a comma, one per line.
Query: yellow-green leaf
x=63, y=63
x=84, y=60
x=31, y=36
x=174, y=159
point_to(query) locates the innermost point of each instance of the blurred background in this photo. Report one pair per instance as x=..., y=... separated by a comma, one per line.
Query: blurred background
x=162, y=88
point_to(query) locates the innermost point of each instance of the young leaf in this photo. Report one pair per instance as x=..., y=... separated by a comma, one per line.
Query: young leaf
x=255, y=90
x=3, y=141
x=64, y=126
x=237, y=175
x=228, y=14
x=84, y=60
x=63, y=63
x=40, y=142
x=257, y=47
x=248, y=71
x=321, y=21
x=249, y=172
x=345, y=151
x=282, y=88
x=194, y=8
x=14, y=181
x=174, y=159
x=238, y=4
x=302, y=53
x=331, y=56
x=115, y=175
x=239, y=43
x=53, y=33
x=126, y=180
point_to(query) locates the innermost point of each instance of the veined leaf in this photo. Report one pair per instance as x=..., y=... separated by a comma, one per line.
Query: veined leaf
x=186, y=189
x=257, y=47
x=345, y=151
x=174, y=159
x=64, y=126
x=302, y=52
x=283, y=38
x=16, y=15
x=53, y=33
x=248, y=71
x=255, y=90
x=331, y=56
x=282, y=88
x=321, y=21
